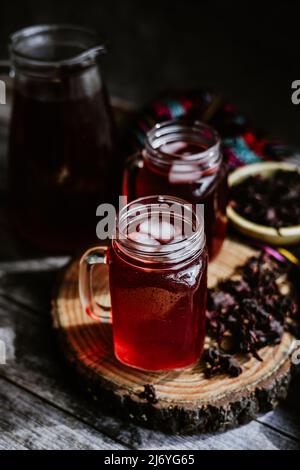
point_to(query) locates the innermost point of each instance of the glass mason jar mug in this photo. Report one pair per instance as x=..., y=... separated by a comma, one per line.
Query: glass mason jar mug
x=157, y=271
x=61, y=148
x=183, y=159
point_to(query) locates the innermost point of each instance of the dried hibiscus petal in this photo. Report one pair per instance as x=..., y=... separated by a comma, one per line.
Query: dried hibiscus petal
x=217, y=362
x=149, y=394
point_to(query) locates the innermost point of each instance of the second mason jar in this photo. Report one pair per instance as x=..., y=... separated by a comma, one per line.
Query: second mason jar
x=183, y=159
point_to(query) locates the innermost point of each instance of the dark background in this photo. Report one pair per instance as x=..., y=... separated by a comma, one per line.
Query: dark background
x=247, y=50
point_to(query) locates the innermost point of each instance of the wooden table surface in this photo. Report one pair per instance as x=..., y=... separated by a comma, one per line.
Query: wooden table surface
x=41, y=404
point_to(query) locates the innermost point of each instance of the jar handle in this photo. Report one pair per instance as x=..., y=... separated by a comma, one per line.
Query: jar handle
x=93, y=256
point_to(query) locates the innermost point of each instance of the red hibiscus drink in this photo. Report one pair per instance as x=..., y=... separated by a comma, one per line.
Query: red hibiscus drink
x=158, y=264
x=183, y=160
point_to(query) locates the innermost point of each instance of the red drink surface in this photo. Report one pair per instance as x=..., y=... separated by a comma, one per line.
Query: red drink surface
x=158, y=314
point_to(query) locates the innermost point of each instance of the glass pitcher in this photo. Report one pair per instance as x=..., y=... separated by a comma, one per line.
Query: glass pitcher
x=62, y=157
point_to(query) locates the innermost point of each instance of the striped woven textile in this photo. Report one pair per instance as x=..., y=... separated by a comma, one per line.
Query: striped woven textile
x=242, y=143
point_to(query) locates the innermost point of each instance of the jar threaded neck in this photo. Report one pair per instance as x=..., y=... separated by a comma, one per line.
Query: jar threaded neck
x=183, y=147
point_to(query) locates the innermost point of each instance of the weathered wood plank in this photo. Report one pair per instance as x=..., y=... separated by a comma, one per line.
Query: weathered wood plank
x=36, y=365
x=28, y=422
x=30, y=281
x=253, y=436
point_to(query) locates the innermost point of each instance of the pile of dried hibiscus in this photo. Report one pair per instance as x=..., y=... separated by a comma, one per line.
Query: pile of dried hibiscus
x=247, y=313
x=272, y=201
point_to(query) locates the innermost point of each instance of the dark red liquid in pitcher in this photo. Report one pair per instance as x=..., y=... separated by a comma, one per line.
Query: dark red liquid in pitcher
x=62, y=161
x=210, y=190
x=158, y=313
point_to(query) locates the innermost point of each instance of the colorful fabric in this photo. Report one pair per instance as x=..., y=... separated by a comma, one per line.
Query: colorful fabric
x=242, y=142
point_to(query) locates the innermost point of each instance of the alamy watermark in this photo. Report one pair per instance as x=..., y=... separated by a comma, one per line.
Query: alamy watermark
x=296, y=354
x=2, y=92
x=295, y=97
x=160, y=219
x=2, y=352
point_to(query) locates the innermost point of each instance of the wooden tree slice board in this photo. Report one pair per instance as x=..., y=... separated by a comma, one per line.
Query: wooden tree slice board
x=186, y=400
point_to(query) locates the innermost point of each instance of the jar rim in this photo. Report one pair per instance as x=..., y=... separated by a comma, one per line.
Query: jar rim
x=174, y=252
x=172, y=130
x=85, y=40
